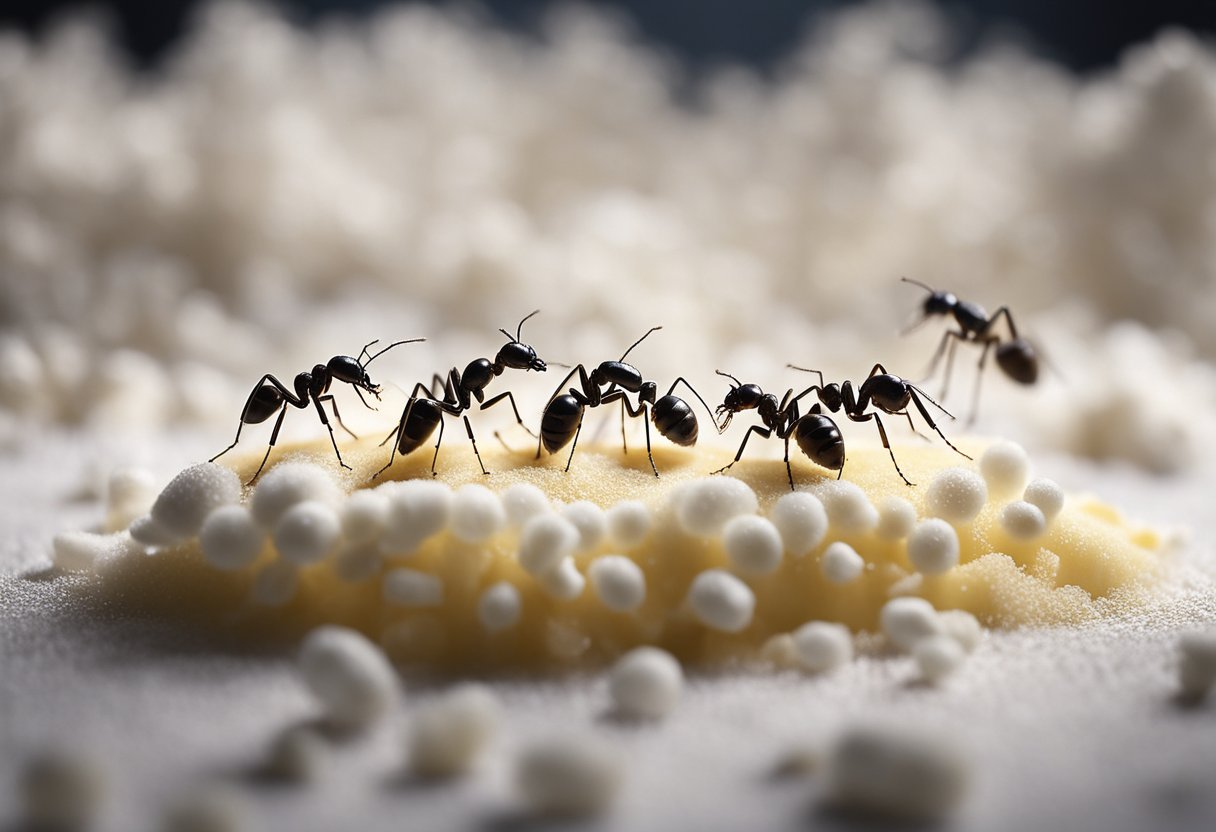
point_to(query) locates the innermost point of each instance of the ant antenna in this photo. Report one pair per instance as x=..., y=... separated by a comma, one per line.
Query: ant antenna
x=805, y=370
x=519, y=329
x=924, y=286
x=729, y=376
x=640, y=340
x=931, y=401
x=372, y=358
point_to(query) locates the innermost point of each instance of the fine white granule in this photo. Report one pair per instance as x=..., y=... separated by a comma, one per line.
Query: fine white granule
x=848, y=508
x=230, y=538
x=297, y=755
x=448, y=735
x=307, y=532
x=348, y=675
x=840, y=563
x=821, y=646
x=499, y=607
x=563, y=582
x=896, y=518
x=590, y=521
x=801, y=520
x=721, y=601
x=209, y=808
x=523, y=501
x=60, y=789
x=646, y=683
x=1005, y=467
x=545, y=541
x=963, y=627
x=411, y=588
x=906, y=621
x=1023, y=520
x=417, y=509
x=933, y=547
x=130, y=493
x=289, y=483
x=938, y=656
x=569, y=775
x=83, y=551
x=704, y=506
x=477, y=513
x=1046, y=495
x=1197, y=670
x=193, y=494
x=956, y=495
x=147, y=531
x=618, y=582
x=363, y=515
x=753, y=545
x=276, y=583
x=629, y=522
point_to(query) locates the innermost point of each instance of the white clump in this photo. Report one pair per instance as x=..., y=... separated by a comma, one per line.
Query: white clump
x=646, y=683
x=590, y=521
x=896, y=518
x=848, y=508
x=477, y=513
x=563, y=582
x=348, y=675
x=209, y=808
x=147, y=531
x=821, y=646
x=307, y=532
x=704, y=506
x=840, y=563
x=1005, y=467
x=1023, y=520
x=905, y=621
x=411, y=588
x=358, y=562
x=938, y=656
x=629, y=522
x=801, y=520
x=447, y=736
x=618, y=582
x=364, y=515
x=752, y=544
x=189, y=497
x=499, y=607
x=963, y=627
x=130, y=493
x=1197, y=671
x=523, y=501
x=569, y=775
x=933, y=547
x=276, y=583
x=61, y=790
x=895, y=774
x=289, y=483
x=230, y=538
x=721, y=601
x=417, y=509
x=1046, y=495
x=956, y=495
x=546, y=540
x=82, y=551
x=780, y=651
x=298, y=755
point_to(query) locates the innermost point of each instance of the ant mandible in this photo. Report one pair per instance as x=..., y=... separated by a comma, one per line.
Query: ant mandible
x=270, y=394
x=563, y=416
x=423, y=413
x=1015, y=356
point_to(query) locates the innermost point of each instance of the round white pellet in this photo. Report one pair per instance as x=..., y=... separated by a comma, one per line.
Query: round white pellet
x=629, y=522
x=60, y=789
x=752, y=544
x=704, y=506
x=417, y=509
x=933, y=547
x=210, y=808
x=193, y=494
x=646, y=683
x=276, y=583
x=1023, y=520
x=1047, y=495
x=363, y=516
x=721, y=601
x=230, y=538
x=545, y=541
x=298, y=755
x=477, y=513
x=590, y=521
x=963, y=627
x=938, y=656
x=358, y=562
x=906, y=621
x=348, y=675
x=499, y=607
x=448, y=735
x=896, y=518
x=523, y=501
x=848, y=508
x=563, y=582
x=147, y=531
x=821, y=646
x=840, y=563
x=130, y=493
x=307, y=532
x=289, y=483
x=1197, y=671
x=411, y=588
x=618, y=582
x=569, y=775
x=801, y=520
x=956, y=495
x=1005, y=467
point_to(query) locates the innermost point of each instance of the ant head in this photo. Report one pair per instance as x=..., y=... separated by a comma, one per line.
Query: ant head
x=938, y=303
x=345, y=368
x=831, y=397
x=516, y=354
x=740, y=397
x=1019, y=360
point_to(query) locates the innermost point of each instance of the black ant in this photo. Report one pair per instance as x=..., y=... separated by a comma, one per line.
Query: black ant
x=1015, y=356
x=563, y=417
x=270, y=394
x=423, y=413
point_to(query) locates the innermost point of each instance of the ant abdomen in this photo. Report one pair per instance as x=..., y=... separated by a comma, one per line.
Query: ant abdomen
x=1018, y=360
x=819, y=438
x=675, y=420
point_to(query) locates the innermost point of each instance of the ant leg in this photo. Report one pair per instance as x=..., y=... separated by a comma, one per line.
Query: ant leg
x=468, y=428
x=337, y=416
x=287, y=395
x=405, y=415
x=624, y=443
x=574, y=444
x=646, y=424
x=439, y=442
x=333, y=439
x=912, y=425
x=511, y=399
x=681, y=380
x=503, y=442
x=1004, y=310
x=789, y=472
x=979, y=379
x=765, y=432
x=925, y=413
x=882, y=432
x=274, y=437
x=437, y=386
x=949, y=364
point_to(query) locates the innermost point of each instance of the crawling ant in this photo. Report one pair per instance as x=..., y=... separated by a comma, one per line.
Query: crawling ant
x=270, y=394
x=423, y=413
x=1016, y=356
x=609, y=382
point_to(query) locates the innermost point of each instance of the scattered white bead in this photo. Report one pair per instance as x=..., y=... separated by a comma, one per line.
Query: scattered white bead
x=933, y=547
x=298, y=755
x=821, y=646
x=1023, y=520
x=646, y=683
x=721, y=601
x=82, y=551
x=1047, y=495
x=147, y=531
x=358, y=563
x=569, y=775
x=499, y=607
x=411, y=588
x=193, y=494
x=523, y=501
x=906, y=621
x=801, y=520
x=896, y=518
x=704, y=506
x=348, y=675
x=963, y=627
x=781, y=651
x=848, y=508
x=307, y=532
x=546, y=540
x=417, y=509
x=61, y=790
x=289, y=483
x=563, y=582
x=752, y=544
x=210, y=808
x=276, y=583
x=938, y=656
x=1005, y=467
x=956, y=495
x=230, y=538
x=1197, y=671
x=477, y=513
x=130, y=493
x=363, y=516
x=629, y=522
x=840, y=563
x=618, y=582
x=590, y=521
x=447, y=736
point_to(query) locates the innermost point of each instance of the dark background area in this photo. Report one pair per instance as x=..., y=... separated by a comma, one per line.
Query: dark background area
x=1082, y=34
